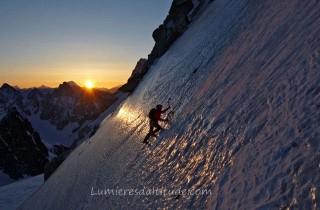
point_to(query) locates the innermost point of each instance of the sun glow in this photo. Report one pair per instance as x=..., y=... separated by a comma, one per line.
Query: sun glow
x=89, y=84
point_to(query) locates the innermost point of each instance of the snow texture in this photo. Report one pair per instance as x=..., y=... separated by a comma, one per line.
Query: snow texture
x=50, y=135
x=245, y=84
x=12, y=195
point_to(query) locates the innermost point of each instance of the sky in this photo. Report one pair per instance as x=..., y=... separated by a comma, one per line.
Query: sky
x=46, y=42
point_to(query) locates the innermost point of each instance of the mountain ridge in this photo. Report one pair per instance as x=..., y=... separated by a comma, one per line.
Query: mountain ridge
x=57, y=122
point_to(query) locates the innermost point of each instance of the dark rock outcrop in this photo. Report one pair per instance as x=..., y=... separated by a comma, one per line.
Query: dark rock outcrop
x=174, y=25
x=181, y=14
x=135, y=77
x=62, y=152
x=58, y=149
x=52, y=166
x=21, y=150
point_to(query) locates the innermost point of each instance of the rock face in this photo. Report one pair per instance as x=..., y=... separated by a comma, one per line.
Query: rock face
x=174, y=25
x=135, y=77
x=139, y=67
x=21, y=150
x=58, y=149
x=180, y=16
x=34, y=99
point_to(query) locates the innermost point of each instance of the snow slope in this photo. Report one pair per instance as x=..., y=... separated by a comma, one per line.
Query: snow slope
x=12, y=195
x=50, y=134
x=245, y=84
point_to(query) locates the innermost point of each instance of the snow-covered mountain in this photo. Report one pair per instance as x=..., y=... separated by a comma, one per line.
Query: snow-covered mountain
x=60, y=117
x=71, y=103
x=245, y=86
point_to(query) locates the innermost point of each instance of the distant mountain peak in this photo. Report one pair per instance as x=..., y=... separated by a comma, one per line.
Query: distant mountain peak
x=8, y=88
x=35, y=91
x=64, y=89
x=72, y=83
x=43, y=87
x=6, y=85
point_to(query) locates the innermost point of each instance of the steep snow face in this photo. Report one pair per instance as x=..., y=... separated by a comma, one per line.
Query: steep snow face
x=245, y=86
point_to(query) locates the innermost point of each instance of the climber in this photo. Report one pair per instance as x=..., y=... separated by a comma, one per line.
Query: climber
x=154, y=117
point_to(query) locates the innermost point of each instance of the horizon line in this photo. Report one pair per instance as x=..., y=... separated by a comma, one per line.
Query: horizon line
x=51, y=87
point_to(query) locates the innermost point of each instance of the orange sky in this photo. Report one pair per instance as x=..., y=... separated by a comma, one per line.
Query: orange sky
x=107, y=75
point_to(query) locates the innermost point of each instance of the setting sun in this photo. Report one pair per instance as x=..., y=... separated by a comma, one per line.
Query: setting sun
x=89, y=84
